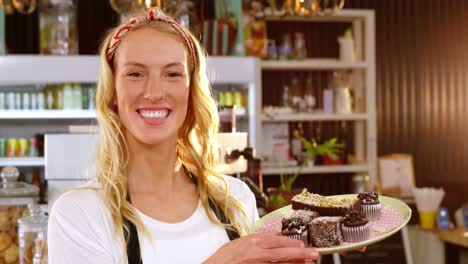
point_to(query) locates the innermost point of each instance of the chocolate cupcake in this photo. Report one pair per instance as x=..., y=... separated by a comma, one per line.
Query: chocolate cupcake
x=355, y=226
x=296, y=228
x=370, y=205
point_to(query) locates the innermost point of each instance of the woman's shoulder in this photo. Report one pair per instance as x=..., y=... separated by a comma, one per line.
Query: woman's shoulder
x=237, y=187
x=86, y=198
x=240, y=190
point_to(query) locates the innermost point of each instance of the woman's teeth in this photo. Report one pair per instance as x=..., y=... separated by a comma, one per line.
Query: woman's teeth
x=161, y=114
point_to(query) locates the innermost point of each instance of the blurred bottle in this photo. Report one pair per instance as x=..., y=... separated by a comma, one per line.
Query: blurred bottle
x=296, y=93
x=68, y=96
x=229, y=97
x=91, y=98
x=285, y=99
x=300, y=51
x=309, y=97
x=58, y=27
x=286, y=48
x=76, y=96
x=296, y=143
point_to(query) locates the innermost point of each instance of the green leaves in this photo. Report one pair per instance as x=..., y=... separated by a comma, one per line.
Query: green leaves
x=277, y=199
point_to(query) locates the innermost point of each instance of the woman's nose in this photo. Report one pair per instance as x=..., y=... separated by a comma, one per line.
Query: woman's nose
x=154, y=90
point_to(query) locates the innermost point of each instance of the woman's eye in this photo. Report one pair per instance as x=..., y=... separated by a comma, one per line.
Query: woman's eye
x=174, y=74
x=135, y=74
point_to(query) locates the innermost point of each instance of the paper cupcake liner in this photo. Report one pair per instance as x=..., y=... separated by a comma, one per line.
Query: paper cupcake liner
x=356, y=233
x=372, y=211
x=302, y=237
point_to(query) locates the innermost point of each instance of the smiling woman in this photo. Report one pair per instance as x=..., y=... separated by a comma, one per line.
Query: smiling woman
x=156, y=192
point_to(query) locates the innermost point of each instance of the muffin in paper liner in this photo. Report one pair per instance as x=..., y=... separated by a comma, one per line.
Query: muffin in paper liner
x=370, y=205
x=356, y=233
x=372, y=211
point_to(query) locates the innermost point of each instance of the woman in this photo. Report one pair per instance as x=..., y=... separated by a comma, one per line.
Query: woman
x=156, y=197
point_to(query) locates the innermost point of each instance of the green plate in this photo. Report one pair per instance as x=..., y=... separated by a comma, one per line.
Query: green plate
x=393, y=203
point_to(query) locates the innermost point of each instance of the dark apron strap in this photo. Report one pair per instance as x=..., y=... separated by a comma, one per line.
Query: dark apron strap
x=133, y=245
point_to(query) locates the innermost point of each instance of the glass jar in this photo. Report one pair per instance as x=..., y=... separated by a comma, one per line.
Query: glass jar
x=300, y=50
x=32, y=234
x=58, y=27
x=14, y=198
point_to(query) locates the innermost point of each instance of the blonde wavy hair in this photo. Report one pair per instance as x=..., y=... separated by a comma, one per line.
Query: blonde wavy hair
x=196, y=145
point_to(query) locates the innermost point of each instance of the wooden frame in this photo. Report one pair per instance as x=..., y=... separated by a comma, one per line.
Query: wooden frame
x=396, y=175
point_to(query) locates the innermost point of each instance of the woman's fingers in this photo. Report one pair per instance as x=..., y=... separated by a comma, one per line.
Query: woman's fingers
x=289, y=255
x=273, y=241
x=345, y=253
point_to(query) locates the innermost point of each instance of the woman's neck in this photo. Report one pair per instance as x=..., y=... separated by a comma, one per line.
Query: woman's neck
x=154, y=169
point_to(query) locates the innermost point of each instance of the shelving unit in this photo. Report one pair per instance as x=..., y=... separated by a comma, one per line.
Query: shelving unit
x=22, y=162
x=318, y=169
x=312, y=64
x=364, y=119
x=47, y=114
x=300, y=117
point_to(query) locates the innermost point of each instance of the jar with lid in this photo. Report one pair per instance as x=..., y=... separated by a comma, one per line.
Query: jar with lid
x=14, y=198
x=58, y=28
x=32, y=234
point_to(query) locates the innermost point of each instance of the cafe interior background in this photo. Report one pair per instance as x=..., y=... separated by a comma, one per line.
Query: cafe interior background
x=334, y=96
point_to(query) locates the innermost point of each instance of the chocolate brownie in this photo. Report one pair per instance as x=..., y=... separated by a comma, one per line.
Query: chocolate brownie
x=325, y=231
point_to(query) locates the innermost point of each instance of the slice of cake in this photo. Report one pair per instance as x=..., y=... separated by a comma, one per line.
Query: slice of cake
x=325, y=231
x=323, y=205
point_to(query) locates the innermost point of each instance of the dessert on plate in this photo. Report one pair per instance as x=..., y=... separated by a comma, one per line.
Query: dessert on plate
x=325, y=231
x=370, y=205
x=323, y=205
x=355, y=226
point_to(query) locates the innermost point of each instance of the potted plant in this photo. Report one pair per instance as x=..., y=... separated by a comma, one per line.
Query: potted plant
x=282, y=195
x=328, y=151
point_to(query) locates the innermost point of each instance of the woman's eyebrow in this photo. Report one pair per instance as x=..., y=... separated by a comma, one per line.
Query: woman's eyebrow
x=173, y=64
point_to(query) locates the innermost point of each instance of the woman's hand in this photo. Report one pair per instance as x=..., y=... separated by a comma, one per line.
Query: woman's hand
x=264, y=247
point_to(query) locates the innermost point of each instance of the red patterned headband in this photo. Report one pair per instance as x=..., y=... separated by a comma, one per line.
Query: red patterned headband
x=153, y=14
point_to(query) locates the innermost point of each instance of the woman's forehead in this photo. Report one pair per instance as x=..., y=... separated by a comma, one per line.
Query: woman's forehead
x=150, y=46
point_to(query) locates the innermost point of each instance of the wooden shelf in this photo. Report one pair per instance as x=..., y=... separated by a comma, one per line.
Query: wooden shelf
x=47, y=114
x=22, y=162
x=311, y=64
x=318, y=169
x=346, y=15
x=297, y=117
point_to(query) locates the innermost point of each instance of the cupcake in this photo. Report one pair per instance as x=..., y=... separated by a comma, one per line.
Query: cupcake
x=296, y=227
x=370, y=205
x=355, y=226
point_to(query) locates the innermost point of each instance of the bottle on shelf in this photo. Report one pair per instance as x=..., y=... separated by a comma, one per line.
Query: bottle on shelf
x=296, y=93
x=285, y=100
x=67, y=96
x=286, y=48
x=228, y=100
x=76, y=96
x=300, y=51
x=2, y=101
x=297, y=148
x=309, y=97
